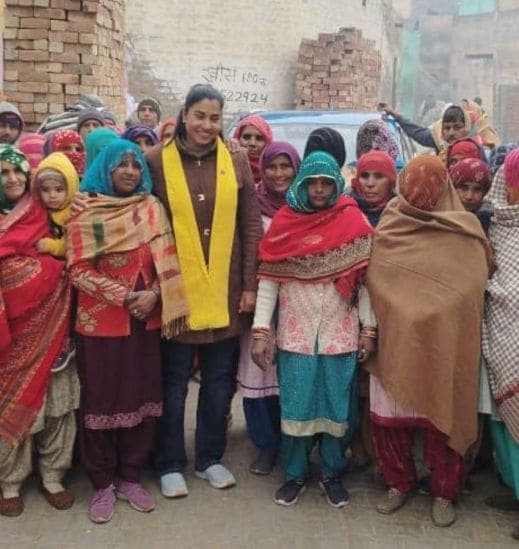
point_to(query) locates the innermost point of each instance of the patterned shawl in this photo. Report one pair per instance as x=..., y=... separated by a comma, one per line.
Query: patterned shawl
x=429, y=305
x=501, y=322
x=376, y=135
x=471, y=169
x=112, y=225
x=317, y=246
x=34, y=317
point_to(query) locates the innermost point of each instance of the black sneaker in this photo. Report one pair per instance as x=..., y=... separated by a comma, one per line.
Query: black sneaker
x=289, y=493
x=263, y=464
x=336, y=494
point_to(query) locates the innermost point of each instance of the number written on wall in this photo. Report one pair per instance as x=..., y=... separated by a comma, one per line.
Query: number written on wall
x=237, y=85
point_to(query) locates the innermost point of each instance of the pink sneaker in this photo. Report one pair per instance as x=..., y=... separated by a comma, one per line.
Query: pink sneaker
x=102, y=505
x=133, y=492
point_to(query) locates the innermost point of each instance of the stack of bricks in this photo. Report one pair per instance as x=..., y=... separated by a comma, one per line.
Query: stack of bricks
x=57, y=50
x=338, y=71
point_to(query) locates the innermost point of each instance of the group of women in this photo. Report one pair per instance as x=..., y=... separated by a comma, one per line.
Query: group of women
x=345, y=317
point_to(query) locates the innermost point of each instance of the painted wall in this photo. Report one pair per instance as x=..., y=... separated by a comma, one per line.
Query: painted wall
x=246, y=49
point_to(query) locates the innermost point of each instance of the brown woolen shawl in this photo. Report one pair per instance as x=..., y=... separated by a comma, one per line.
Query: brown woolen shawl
x=426, y=278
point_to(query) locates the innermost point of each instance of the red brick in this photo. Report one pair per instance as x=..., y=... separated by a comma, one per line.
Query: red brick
x=10, y=75
x=32, y=34
x=62, y=36
x=21, y=97
x=19, y=11
x=50, y=13
x=66, y=57
x=90, y=6
x=56, y=47
x=66, y=4
x=55, y=88
x=41, y=45
x=10, y=34
x=32, y=76
x=10, y=86
x=56, y=25
x=87, y=38
x=55, y=108
x=81, y=26
x=64, y=78
x=34, y=23
x=11, y=21
x=34, y=55
x=36, y=87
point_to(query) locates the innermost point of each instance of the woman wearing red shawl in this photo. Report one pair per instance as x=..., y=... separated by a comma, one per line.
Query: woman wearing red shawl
x=254, y=134
x=374, y=184
x=464, y=148
x=34, y=318
x=472, y=179
x=425, y=374
x=315, y=253
x=279, y=165
x=70, y=143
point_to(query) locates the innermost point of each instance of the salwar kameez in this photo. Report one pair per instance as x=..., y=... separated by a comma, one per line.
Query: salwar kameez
x=506, y=455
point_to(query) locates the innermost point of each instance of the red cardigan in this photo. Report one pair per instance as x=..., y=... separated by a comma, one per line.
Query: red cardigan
x=104, y=285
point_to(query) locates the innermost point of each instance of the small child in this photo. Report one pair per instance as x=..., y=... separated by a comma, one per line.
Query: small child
x=54, y=184
x=471, y=179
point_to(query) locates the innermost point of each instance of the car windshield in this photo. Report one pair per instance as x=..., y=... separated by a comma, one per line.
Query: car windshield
x=297, y=134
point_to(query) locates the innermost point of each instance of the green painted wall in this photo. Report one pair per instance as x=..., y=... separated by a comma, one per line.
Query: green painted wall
x=411, y=44
x=475, y=7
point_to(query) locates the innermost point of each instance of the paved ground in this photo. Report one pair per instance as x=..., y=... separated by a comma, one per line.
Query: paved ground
x=246, y=516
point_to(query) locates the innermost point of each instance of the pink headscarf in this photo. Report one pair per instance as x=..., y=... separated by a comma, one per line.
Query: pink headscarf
x=262, y=126
x=31, y=144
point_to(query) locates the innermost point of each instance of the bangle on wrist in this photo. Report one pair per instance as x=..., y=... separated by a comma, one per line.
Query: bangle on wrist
x=259, y=332
x=369, y=331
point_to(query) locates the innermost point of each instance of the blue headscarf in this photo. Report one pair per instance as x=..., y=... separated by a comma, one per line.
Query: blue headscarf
x=98, y=177
x=133, y=132
x=95, y=141
x=316, y=164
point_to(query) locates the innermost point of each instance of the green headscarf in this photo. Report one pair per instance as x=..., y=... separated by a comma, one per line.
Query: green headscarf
x=96, y=141
x=11, y=154
x=316, y=164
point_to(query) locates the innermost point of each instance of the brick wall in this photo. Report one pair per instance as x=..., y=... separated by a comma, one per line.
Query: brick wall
x=57, y=50
x=247, y=49
x=338, y=71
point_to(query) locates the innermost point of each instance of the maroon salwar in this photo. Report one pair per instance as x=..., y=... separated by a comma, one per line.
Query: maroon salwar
x=393, y=449
x=121, y=395
x=116, y=453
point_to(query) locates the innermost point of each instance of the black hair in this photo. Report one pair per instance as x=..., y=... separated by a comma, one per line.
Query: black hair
x=478, y=100
x=327, y=140
x=197, y=93
x=453, y=114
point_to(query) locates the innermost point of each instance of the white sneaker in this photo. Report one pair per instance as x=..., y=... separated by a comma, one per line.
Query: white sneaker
x=218, y=476
x=173, y=485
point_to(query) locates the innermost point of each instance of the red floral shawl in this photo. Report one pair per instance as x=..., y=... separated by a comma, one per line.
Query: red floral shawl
x=34, y=316
x=332, y=244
